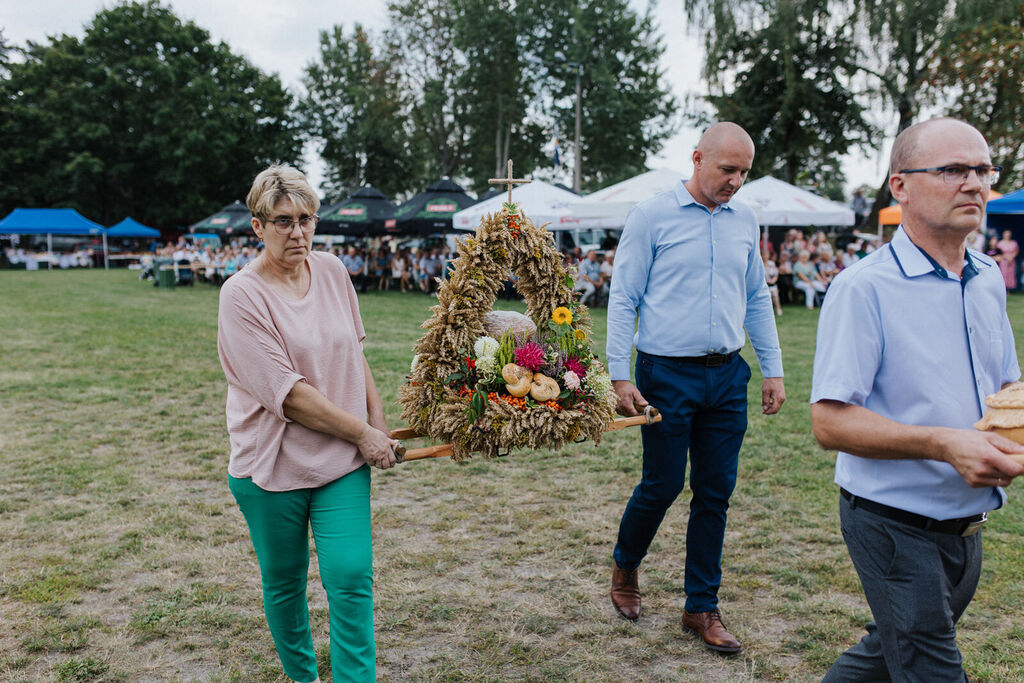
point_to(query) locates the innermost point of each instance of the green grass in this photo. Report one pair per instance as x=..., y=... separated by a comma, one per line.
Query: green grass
x=124, y=556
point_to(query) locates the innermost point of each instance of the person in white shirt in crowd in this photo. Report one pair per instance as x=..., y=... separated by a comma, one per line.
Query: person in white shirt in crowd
x=849, y=257
x=606, y=270
x=807, y=279
x=588, y=278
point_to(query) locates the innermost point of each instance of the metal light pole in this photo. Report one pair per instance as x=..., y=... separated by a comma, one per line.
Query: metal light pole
x=576, y=173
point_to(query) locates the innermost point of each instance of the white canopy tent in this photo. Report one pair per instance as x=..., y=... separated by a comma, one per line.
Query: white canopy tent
x=541, y=202
x=776, y=202
x=607, y=208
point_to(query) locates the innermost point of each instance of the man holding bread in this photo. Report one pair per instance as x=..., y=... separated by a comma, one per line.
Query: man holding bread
x=911, y=340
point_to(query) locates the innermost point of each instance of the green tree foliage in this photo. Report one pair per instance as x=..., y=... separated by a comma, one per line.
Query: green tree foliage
x=627, y=112
x=502, y=116
x=781, y=72
x=353, y=110
x=488, y=80
x=421, y=41
x=981, y=74
x=143, y=116
x=896, y=41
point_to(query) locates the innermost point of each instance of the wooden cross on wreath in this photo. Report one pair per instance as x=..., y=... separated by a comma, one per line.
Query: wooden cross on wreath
x=478, y=386
x=510, y=181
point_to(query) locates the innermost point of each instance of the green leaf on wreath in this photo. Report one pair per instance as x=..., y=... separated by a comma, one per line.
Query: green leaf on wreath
x=568, y=281
x=511, y=207
x=454, y=377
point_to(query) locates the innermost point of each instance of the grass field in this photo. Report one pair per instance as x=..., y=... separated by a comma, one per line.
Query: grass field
x=124, y=557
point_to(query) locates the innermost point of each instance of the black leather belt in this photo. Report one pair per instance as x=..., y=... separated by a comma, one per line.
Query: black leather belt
x=712, y=360
x=965, y=526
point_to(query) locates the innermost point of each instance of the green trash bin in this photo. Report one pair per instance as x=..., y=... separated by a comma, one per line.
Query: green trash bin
x=165, y=277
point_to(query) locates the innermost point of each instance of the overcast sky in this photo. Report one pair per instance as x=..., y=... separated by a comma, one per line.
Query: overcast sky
x=282, y=37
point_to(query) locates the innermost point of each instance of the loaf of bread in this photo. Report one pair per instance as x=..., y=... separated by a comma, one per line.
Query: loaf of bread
x=1005, y=414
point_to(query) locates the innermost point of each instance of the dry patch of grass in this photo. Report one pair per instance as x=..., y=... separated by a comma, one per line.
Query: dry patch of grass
x=125, y=557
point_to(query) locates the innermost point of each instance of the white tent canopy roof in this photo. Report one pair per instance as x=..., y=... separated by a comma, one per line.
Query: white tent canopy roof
x=541, y=202
x=776, y=202
x=607, y=208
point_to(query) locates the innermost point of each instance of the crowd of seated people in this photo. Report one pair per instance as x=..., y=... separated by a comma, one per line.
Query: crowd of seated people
x=803, y=268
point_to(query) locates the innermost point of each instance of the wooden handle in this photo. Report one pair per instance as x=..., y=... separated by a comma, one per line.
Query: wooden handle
x=650, y=416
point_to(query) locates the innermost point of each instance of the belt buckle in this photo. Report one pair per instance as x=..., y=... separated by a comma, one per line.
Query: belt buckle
x=714, y=360
x=975, y=526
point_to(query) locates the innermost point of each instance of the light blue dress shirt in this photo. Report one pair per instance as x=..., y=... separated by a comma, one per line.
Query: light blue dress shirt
x=903, y=337
x=695, y=279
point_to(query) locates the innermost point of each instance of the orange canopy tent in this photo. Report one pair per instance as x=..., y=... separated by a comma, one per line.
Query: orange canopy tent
x=893, y=215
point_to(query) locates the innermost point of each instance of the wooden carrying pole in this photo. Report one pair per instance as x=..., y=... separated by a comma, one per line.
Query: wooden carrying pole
x=650, y=416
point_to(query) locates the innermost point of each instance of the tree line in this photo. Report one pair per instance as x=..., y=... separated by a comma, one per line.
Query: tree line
x=145, y=115
x=816, y=79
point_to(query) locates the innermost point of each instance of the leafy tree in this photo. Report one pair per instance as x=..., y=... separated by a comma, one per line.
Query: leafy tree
x=353, y=109
x=781, y=73
x=421, y=41
x=981, y=72
x=501, y=116
x=486, y=80
x=897, y=41
x=142, y=116
x=627, y=111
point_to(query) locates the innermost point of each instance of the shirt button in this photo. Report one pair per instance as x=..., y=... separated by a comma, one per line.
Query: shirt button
x=715, y=296
x=714, y=324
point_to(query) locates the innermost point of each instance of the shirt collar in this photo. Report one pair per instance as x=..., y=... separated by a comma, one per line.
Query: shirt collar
x=915, y=261
x=684, y=198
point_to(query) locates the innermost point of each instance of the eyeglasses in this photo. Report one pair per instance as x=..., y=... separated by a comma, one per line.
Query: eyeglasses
x=958, y=173
x=285, y=226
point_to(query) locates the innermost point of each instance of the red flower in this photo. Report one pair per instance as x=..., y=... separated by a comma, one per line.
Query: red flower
x=576, y=366
x=530, y=356
x=471, y=363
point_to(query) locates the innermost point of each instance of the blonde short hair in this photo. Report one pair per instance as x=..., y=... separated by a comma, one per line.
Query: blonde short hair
x=281, y=182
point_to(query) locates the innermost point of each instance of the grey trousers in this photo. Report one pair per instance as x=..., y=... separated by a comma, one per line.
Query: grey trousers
x=917, y=584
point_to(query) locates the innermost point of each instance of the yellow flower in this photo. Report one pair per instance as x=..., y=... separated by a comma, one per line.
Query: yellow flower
x=561, y=315
x=580, y=335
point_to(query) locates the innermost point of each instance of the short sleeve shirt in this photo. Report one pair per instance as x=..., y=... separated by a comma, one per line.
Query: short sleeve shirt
x=914, y=343
x=268, y=343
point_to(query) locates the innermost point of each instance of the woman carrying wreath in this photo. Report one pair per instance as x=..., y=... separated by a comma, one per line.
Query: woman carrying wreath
x=305, y=421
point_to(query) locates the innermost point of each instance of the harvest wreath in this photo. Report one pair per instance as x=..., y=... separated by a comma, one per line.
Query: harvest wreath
x=484, y=385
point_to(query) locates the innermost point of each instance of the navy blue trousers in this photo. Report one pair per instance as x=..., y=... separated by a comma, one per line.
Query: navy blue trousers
x=704, y=416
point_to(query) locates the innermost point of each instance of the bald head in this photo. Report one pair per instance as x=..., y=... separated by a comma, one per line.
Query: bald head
x=910, y=144
x=721, y=162
x=724, y=135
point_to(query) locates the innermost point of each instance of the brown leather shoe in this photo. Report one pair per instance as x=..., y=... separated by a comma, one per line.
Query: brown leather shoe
x=625, y=593
x=709, y=626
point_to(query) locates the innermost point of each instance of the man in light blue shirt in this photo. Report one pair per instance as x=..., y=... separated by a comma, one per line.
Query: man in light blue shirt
x=910, y=341
x=688, y=264
x=354, y=263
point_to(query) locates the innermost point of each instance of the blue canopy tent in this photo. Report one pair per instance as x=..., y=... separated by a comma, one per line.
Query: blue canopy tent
x=1007, y=213
x=130, y=227
x=51, y=222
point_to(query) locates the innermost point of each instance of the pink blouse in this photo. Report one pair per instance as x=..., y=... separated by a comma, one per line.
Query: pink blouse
x=268, y=343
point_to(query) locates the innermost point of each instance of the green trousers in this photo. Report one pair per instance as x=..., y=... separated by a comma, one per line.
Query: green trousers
x=279, y=523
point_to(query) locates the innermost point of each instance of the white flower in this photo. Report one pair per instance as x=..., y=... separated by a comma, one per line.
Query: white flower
x=485, y=346
x=485, y=365
x=571, y=380
x=415, y=360
x=599, y=383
